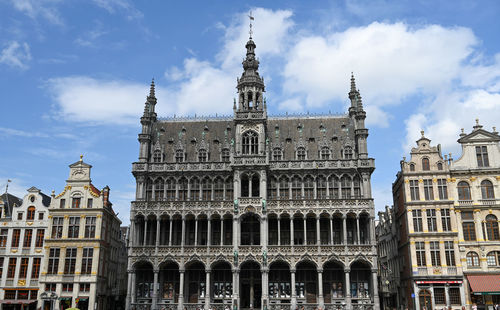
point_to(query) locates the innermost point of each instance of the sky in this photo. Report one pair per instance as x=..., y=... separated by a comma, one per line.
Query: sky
x=74, y=76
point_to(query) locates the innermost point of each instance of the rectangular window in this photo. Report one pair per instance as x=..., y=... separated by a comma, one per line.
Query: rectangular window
x=446, y=219
x=50, y=287
x=90, y=202
x=84, y=287
x=428, y=190
x=449, y=253
x=75, y=202
x=40, y=215
x=28, y=234
x=417, y=220
x=35, y=269
x=57, y=227
x=482, y=156
x=420, y=250
x=67, y=287
x=431, y=220
x=439, y=298
x=90, y=222
x=435, y=255
x=74, y=227
x=10, y=294
x=23, y=270
x=3, y=237
x=40, y=233
x=88, y=253
x=468, y=226
x=53, y=264
x=70, y=261
x=414, y=193
x=62, y=203
x=1, y=266
x=11, y=271
x=15, y=238
x=20, y=216
x=455, y=296
x=442, y=189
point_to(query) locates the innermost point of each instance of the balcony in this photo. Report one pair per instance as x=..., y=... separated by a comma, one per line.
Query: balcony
x=439, y=271
x=173, y=167
x=488, y=202
x=465, y=203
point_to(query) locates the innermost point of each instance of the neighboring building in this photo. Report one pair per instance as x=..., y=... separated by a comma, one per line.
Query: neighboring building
x=82, y=247
x=431, y=271
x=389, y=261
x=23, y=226
x=253, y=211
x=475, y=190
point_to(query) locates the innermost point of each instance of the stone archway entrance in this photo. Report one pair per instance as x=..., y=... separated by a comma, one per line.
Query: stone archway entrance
x=250, y=285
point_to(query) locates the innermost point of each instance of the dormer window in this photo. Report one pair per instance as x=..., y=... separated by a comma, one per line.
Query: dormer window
x=325, y=152
x=301, y=153
x=425, y=164
x=202, y=155
x=482, y=156
x=250, y=143
x=277, y=154
x=157, y=156
x=412, y=167
x=225, y=155
x=179, y=156
x=348, y=152
x=440, y=166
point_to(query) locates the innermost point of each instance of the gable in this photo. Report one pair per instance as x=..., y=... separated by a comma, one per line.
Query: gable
x=479, y=135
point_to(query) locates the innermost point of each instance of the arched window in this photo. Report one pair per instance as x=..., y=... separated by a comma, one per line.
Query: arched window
x=301, y=153
x=463, y=191
x=296, y=188
x=149, y=190
x=272, y=188
x=170, y=185
x=324, y=153
x=225, y=155
x=277, y=154
x=412, y=167
x=333, y=185
x=425, y=164
x=157, y=156
x=493, y=258
x=487, y=190
x=492, y=227
x=159, y=188
x=30, y=216
x=250, y=143
x=202, y=155
x=229, y=188
x=348, y=152
x=183, y=189
x=218, y=189
x=440, y=166
x=321, y=187
x=284, y=188
x=308, y=187
x=472, y=259
x=179, y=156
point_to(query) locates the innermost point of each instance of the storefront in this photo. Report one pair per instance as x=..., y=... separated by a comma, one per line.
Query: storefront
x=437, y=294
x=485, y=290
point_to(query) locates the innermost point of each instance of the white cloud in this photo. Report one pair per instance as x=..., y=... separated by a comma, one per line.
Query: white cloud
x=36, y=8
x=390, y=61
x=114, y=6
x=88, y=39
x=16, y=55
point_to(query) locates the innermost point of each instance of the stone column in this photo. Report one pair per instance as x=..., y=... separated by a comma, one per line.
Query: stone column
x=131, y=234
x=321, y=300
x=207, y=289
x=155, y=289
x=479, y=225
x=145, y=231
x=344, y=229
x=158, y=228
x=265, y=285
x=129, y=289
x=373, y=240
x=431, y=288
x=460, y=230
x=416, y=292
x=294, y=293
x=305, y=229
x=279, y=231
x=209, y=228
x=196, y=231
x=183, y=231
x=133, y=288
x=222, y=230
x=357, y=229
x=331, y=230
x=180, y=302
x=447, y=294
x=236, y=281
x=318, y=237
x=170, y=232
x=291, y=232
x=376, y=301
x=347, y=289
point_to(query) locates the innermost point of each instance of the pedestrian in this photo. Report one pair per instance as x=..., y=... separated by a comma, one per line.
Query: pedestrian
x=474, y=306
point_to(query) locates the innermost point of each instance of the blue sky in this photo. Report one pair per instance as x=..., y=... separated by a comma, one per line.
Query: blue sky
x=74, y=75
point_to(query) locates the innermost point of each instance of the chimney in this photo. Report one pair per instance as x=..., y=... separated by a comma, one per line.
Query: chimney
x=105, y=196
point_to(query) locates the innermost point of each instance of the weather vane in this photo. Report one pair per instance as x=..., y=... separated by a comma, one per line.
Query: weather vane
x=251, y=18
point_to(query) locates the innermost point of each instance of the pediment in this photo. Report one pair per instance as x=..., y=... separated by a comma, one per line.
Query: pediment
x=479, y=135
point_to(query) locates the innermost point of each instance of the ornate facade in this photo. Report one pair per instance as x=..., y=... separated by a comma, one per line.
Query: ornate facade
x=253, y=211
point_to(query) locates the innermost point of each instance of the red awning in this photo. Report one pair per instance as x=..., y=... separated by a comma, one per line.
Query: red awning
x=486, y=283
x=17, y=301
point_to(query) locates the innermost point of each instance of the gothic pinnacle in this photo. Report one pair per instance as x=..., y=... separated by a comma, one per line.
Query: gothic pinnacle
x=152, y=88
x=353, y=83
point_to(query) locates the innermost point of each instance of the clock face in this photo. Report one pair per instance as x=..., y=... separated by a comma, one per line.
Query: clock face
x=79, y=174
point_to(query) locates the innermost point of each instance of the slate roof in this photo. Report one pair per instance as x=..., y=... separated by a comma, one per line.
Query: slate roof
x=9, y=201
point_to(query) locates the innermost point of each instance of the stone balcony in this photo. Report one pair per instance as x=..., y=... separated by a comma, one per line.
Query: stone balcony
x=438, y=271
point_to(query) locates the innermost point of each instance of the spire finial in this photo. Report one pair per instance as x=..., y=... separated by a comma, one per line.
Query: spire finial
x=353, y=83
x=81, y=157
x=152, y=88
x=422, y=133
x=250, y=32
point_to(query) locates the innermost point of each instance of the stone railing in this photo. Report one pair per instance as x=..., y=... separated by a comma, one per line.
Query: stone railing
x=275, y=306
x=364, y=306
x=323, y=164
x=336, y=306
x=465, y=202
x=422, y=271
x=250, y=161
x=161, y=167
x=488, y=202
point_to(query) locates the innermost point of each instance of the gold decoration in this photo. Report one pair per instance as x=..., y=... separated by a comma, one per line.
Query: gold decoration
x=21, y=282
x=472, y=179
x=434, y=180
x=66, y=188
x=29, y=223
x=420, y=181
x=13, y=251
x=407, y=181
x=498, y=178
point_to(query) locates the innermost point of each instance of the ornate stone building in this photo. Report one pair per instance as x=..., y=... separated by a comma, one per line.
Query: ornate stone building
x=253, y=211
